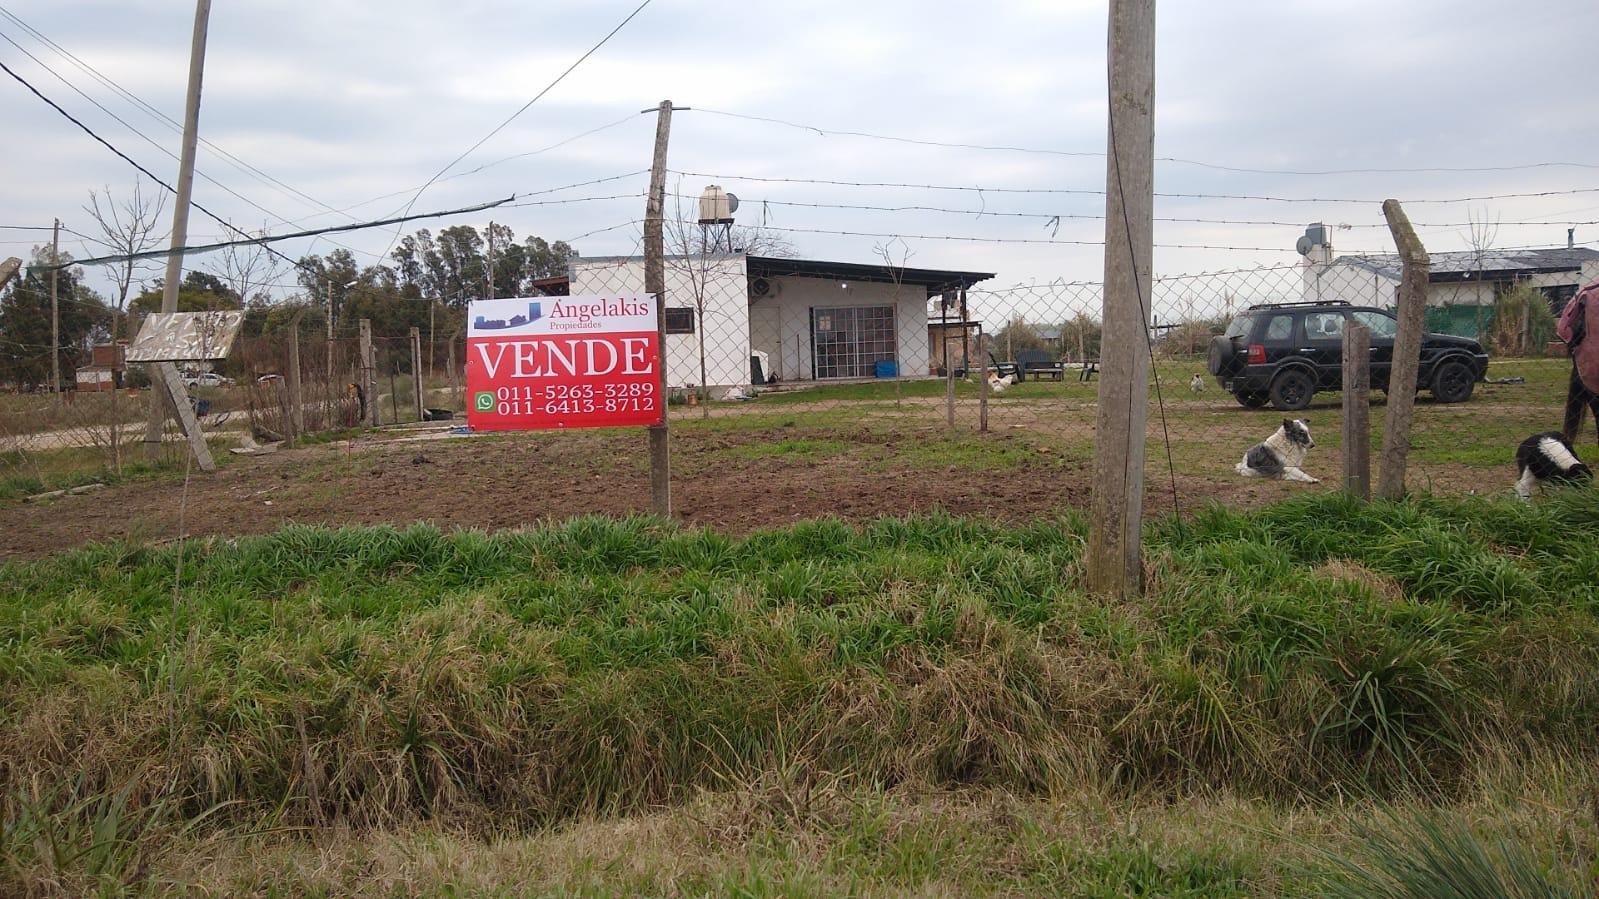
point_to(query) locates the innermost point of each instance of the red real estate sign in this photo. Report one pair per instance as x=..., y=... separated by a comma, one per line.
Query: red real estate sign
x=563, y=362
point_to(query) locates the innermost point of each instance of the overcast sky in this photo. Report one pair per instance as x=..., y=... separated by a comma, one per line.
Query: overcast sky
x=348, y=101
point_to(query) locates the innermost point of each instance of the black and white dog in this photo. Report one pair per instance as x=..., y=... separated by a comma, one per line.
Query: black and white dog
x=1280, y=455
x=1547, y=457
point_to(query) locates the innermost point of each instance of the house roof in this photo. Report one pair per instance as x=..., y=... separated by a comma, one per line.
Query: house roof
x=1489, y=265
x=934, y=280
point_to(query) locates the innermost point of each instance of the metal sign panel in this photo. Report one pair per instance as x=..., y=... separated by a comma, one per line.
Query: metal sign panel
x=563, y=362
x=186, y=336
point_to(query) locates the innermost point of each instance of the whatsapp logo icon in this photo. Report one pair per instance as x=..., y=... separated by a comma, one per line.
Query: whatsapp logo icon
x=483, y=401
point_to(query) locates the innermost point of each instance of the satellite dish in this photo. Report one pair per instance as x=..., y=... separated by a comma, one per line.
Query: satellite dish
x=1303, y=246
x=732, y=202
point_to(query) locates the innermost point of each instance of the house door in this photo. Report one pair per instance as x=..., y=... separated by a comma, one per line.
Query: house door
x=849, y=341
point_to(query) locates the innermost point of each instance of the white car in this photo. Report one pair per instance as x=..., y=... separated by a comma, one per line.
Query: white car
x=207, y=379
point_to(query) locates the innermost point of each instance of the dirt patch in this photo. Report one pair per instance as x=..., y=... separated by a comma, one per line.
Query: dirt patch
x=517, y=480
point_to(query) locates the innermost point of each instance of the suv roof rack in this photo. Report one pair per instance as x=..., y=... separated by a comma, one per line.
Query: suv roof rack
x=1303, y=303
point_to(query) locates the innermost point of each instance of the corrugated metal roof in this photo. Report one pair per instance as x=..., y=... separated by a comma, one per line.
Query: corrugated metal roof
x=1492, y=264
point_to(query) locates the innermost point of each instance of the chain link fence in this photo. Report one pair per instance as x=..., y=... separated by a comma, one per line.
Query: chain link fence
x=830, y=358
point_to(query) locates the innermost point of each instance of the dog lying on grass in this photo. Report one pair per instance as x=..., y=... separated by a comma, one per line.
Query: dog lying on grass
x=1280, y=455
x=1547, y=458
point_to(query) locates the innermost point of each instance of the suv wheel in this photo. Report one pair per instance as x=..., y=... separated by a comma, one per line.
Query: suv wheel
x=1453, y=382
x=1250, y=399
x=1292, y=390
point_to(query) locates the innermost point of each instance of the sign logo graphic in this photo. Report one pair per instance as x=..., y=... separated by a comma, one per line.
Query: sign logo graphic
x=563, y=362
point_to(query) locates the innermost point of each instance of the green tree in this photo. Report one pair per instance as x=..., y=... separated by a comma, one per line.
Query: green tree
x=198, y=292
x=25, y=323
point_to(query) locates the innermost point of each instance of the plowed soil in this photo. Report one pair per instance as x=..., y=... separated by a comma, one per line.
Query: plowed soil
x=730, y=481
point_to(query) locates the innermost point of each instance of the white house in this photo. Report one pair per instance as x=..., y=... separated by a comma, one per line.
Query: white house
x=810, y=320
x=1469, y=281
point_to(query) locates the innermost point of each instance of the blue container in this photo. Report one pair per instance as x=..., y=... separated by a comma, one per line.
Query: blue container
x=887, y=368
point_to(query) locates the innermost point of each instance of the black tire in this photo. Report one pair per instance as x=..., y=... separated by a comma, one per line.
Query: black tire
x=1292, y=390
x=1250, y=399
x=1453, y=382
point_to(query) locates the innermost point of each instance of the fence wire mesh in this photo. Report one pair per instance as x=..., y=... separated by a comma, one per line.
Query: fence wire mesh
x=814, y=363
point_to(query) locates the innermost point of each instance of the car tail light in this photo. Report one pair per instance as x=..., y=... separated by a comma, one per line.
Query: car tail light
x=1257, y=354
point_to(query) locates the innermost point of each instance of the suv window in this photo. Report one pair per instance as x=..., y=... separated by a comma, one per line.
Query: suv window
x=1279, y=327
x=1381, y=325
x=1324, y=325
x=1240, y=326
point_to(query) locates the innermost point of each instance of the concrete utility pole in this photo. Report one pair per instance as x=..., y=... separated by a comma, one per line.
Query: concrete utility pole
x=165, y=373
x=1115, y=537
x=55, y=314
x=655, y=283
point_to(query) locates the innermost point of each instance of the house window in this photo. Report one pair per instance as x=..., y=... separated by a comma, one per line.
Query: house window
x=680, y=320
x=849, y=341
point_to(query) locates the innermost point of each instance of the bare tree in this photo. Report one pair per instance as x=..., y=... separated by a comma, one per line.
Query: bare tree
x=1481, y=236
x=130, y=227
x=895, y=254
x=246, y=267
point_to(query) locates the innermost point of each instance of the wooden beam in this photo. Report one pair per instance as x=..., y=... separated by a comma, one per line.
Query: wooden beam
x=1417, y=267
x=1357, y=410
x=655, y=283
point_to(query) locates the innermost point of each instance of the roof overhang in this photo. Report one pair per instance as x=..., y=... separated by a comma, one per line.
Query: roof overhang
x=935, y=281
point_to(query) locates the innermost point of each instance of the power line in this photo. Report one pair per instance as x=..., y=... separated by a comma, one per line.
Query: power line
x=130, y=161
x=825, y=132
x=525, y=106
x=592, y=131
x=147, y=138
x=263, y=240
x=154, y=112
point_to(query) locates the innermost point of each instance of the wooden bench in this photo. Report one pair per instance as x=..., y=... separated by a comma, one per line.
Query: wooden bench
x=1039, y=363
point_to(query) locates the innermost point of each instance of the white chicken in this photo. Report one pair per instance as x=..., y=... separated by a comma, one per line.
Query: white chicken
x=1197, y=385
x=997, y=384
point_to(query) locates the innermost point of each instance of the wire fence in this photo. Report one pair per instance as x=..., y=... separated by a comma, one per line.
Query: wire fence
x=841, y=356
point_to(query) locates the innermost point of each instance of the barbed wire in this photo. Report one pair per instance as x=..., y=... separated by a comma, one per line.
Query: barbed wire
x=1099, y=154
x=981, y=189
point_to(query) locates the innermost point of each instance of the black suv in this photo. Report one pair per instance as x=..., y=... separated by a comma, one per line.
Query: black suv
x=1283, y=353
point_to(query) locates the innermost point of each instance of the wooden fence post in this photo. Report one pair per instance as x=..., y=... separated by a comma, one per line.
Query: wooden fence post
x=1417, y=268
x=982, y=386
x=292, y=377
x=949, y=387
x=455, y=387
x=416, y=371
x=369, y=375
x=1357, y=411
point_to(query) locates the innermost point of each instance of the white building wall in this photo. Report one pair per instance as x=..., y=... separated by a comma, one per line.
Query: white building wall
x=1354, y=284
x=1349, y=283
x=788, y=317
x=725, y=327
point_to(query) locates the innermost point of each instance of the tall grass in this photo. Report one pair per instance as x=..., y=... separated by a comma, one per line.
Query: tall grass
x=1310, y=651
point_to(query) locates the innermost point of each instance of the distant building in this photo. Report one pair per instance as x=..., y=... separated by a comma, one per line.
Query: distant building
x=1463, y=285
x=811, y=320
x=107, y=364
